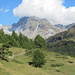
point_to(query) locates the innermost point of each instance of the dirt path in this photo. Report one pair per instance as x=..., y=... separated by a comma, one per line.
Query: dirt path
x=17, y=54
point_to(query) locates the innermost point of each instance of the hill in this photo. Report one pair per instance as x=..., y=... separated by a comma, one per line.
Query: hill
x=63, y=42
x=54, y=64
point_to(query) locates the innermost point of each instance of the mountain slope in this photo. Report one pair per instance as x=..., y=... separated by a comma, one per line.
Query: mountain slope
x=63, y=42
x=70, y=33
x=60, y=26
x=64, y=26
x=5, y=29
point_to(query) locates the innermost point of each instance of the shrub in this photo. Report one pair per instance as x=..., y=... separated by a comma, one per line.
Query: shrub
x=70, y=61
x=57, y=70
x=6, y=45
x=57, y=65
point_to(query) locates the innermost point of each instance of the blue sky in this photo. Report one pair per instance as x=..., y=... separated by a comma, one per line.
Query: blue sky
x=6, y=10
x=69, y=3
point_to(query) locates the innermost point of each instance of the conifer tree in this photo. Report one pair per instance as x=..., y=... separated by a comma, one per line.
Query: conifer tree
x=38, y=59
x=40, y=42
x=4, y=53
x=15, y=35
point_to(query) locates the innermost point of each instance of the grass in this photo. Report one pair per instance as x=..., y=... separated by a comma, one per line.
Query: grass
x=66, y=69
x=16, y=50
x=19, y=65
x=21, y=69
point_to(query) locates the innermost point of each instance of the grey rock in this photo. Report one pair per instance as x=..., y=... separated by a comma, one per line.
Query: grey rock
x=64, y=26
x=32, y=26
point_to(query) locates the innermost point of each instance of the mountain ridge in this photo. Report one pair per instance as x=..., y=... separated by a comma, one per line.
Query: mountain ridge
x=64, y=26
x=32, y=26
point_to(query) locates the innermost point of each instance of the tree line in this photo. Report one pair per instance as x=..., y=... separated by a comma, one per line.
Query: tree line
x=22, y=41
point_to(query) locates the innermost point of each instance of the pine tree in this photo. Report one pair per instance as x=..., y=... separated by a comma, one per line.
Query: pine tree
x=40, y=42
x=38, y=59
x=15, y=35
x=4, y=53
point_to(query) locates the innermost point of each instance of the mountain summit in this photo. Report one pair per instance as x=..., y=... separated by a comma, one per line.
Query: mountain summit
x=30, y=23
x=32, y=26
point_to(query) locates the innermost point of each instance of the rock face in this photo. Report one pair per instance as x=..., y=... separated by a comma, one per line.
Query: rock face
x=6, y=29
x=60, y=26
x=64, y=26
x=70, y=25
x=32, y=26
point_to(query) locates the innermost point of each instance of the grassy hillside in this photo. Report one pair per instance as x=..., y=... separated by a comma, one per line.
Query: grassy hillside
x=56, y=64
x=63, y=42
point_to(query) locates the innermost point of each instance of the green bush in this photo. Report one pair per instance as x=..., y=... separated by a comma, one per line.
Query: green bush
x=57, y=65
x=70, y=61
x=57, y=70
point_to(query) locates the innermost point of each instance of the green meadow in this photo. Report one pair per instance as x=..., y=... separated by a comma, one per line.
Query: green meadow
x=56, y=64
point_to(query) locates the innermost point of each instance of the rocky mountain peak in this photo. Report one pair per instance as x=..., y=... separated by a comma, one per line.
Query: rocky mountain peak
x=32, y=26
x=30, y=23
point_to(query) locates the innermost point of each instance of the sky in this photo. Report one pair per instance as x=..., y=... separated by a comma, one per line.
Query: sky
x=56, y=11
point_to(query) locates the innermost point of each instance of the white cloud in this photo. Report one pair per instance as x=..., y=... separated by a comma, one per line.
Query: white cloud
x=6, y=10
x=53, y=10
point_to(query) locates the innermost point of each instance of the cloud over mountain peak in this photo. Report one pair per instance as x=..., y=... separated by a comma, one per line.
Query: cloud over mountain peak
x=53, y=10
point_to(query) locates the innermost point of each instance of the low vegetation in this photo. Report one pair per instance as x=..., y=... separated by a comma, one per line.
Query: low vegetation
x=57, y=65
x=70, y=61
x=19, y=65
x=65, y=47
